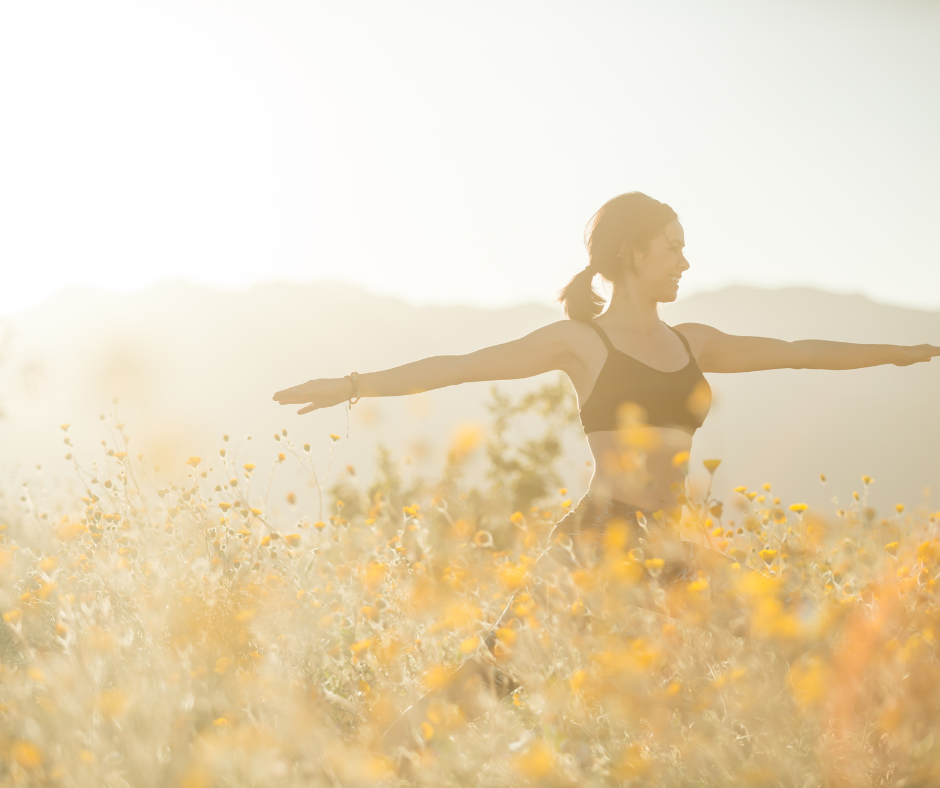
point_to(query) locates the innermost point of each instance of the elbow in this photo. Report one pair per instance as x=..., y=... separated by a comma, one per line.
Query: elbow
x=798, y=356
x=457, y=370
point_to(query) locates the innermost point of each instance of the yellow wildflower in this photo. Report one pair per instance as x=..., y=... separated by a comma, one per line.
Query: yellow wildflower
x=513, y=576
x=576, y=680
x=26, y=754
x=469, y=645
x=464, y=441
x=360, y=645
x=507, y=635
x=537, y=762
x=222, y=664
x=679, y=459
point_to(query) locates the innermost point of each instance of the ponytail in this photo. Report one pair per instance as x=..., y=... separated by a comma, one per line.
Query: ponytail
x=632, y=218
x=579, y=298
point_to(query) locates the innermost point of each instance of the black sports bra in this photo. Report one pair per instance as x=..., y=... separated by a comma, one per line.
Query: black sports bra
x=678, y=399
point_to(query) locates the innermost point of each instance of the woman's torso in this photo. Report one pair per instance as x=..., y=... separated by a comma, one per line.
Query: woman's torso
x=636, y=461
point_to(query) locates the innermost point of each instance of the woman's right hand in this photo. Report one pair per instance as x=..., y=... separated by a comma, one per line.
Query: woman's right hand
x=319, y=393
x=905, y=355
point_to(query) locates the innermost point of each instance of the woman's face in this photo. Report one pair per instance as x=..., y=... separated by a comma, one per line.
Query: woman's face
x=659, y=268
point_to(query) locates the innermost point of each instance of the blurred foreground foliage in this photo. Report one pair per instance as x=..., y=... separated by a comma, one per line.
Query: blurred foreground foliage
x=183, y=636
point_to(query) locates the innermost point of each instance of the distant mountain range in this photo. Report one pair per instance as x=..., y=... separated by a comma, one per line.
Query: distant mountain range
x=190, y=364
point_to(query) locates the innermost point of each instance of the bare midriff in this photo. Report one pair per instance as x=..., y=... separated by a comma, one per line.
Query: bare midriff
x=637, y=465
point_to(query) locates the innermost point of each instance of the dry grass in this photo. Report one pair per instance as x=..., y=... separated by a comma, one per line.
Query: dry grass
x=180, y=637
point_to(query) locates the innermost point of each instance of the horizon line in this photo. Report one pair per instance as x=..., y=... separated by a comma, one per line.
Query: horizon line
x=71, y=290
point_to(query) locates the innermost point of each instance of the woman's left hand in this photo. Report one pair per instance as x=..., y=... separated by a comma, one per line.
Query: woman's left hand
x=912, y=354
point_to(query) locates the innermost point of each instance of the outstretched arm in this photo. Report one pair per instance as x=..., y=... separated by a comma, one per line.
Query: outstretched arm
x=541, y=351
x=720, y=352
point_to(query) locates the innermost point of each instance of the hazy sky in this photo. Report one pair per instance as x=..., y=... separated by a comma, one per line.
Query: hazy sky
x=453, y=151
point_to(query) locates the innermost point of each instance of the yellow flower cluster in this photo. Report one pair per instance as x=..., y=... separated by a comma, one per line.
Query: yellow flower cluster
x=431, y=640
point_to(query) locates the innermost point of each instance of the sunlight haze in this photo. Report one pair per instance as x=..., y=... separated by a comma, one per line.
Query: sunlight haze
x=453, y=153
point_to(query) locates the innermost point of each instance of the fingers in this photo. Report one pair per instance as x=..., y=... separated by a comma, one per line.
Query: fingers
x=292, y=396
x=310, y=407
x=288, y=395
x=929, y=352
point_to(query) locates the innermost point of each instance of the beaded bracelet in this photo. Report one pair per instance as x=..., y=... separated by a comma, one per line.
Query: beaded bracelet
x=353, y=377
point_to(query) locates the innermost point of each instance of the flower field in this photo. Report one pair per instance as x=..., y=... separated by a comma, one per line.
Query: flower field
x=181, y=635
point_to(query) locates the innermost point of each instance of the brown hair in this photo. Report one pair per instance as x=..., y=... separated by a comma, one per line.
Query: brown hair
x=632, y=217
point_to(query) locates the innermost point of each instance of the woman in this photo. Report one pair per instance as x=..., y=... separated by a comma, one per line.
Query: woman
x=639, y=382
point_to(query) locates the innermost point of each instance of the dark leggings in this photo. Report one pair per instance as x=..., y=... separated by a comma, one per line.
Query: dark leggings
x=578, y=542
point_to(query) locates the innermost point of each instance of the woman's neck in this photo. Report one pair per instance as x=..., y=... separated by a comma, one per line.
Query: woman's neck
x=628, y=312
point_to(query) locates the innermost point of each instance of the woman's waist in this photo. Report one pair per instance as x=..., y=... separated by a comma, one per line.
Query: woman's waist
x=633, y=460
x=621, y=490
x=595, y=511
x=601, y=502
x=651, y=438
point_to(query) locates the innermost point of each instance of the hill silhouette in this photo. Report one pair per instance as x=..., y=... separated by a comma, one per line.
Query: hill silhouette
x=190, y=364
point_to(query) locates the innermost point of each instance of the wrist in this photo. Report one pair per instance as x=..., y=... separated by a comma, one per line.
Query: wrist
x=352, y=379
x=902, y=355
x=898, y=354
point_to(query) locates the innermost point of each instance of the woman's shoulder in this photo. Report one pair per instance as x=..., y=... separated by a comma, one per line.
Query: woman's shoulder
x=578, y=337
x=574, y=331
x=698, y=335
